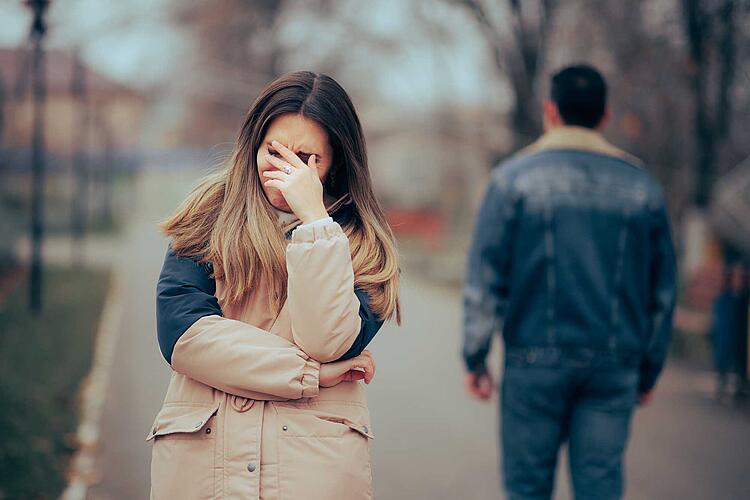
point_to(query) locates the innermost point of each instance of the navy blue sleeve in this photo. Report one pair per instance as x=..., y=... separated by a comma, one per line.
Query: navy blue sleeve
x=663, y=299
x=184, y=294
x=487, y=283
x=370, y=326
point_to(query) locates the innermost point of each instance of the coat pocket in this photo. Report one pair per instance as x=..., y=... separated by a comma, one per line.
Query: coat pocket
x=323, y=456
x=183, y=453
x=183, y=421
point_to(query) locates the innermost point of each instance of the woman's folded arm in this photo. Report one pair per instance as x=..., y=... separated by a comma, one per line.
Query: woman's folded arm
x=330, y=319
x=227, y=354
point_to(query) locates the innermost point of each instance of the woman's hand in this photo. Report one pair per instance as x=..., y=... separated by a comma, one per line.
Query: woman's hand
x=361, y=367
x=299, y=183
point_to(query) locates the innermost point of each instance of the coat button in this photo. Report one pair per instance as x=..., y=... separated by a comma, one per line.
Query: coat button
x=251, y=467
x=208, y=430
x=284, y=428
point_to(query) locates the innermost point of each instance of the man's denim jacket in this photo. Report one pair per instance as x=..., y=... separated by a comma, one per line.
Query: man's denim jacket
x=572, y=257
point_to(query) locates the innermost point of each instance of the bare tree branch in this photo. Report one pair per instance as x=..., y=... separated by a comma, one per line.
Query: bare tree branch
x=519, y=58
x=728, y=54
x=489, y=31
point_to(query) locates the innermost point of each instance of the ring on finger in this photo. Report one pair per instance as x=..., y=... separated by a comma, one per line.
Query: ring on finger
x=287, y=169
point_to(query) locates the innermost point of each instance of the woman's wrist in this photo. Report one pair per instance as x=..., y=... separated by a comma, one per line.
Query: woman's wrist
x=312, y=216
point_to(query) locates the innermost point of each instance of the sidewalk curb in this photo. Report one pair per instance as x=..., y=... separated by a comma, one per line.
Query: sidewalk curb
x=82, y=470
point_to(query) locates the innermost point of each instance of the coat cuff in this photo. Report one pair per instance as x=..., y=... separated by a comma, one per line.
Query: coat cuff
x=310, y=233
x=310, y=379
x=319, y=222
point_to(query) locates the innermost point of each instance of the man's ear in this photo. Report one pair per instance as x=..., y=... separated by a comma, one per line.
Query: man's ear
x=605, y=119
x=551, y=114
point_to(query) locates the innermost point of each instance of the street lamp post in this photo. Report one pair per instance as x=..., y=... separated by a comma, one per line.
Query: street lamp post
x=38, y=29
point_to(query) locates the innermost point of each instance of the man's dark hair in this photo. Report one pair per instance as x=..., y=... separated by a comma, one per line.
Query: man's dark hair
x=580, y=94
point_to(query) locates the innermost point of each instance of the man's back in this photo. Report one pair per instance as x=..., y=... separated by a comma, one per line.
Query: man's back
x=586, y=224
x=572, y=251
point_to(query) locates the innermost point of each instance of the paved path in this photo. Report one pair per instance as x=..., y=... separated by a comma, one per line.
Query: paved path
x=140, y=375
x=432, y=442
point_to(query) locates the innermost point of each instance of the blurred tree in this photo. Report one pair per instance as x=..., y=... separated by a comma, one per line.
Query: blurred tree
x=710, y=31
x=236, y=54
x=519, y=56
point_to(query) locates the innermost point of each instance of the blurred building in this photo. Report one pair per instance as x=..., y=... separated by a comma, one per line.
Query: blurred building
x=116, y=110
x=431, y=167
x=90, y=121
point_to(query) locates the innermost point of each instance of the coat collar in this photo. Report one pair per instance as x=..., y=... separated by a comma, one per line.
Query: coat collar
x=578, y=138
x=289, y=220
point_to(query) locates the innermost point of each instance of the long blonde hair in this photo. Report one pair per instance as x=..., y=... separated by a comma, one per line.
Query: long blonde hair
x=227, y=219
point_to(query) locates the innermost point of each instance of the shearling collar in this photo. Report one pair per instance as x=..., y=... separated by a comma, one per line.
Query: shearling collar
x=579, y=138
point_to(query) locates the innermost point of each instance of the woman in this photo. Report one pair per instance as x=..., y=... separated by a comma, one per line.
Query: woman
x=280, y=271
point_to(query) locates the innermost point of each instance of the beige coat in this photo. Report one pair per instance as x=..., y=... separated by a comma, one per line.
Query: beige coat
x=243, y=417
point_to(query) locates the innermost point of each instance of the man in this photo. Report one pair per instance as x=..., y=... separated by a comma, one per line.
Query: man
x=572, y=258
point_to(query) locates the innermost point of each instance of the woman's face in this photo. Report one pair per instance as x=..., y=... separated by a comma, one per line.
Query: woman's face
x=304, y=137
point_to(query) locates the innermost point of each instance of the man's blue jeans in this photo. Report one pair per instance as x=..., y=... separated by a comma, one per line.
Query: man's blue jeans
x=547, y=399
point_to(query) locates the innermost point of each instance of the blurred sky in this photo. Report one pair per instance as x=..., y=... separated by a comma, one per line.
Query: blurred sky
x=139, y=42
x=133, y=41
